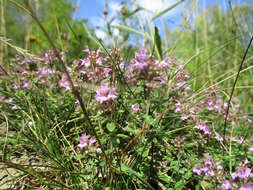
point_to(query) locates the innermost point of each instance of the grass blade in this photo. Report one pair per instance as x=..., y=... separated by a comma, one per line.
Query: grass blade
x=162, y=12
x=158, y=43
x=128, y=29
x=129, y=171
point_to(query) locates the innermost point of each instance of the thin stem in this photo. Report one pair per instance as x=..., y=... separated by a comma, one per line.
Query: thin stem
x=232, y=92
x=74, y=89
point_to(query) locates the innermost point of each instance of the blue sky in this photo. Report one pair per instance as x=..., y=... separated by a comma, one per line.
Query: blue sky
x=92, y=10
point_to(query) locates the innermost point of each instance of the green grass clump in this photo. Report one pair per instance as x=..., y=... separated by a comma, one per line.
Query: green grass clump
x=171, y=113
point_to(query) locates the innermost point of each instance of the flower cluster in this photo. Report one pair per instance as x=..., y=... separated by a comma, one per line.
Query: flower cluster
x=242, y=173
x=105, y=94
x=64, y=82
x=85, y=141
x=42, y=66
x=203, y=128
x=240, y=178
x=208, y=167
x=144, y=67
x=135, y=108
x=93, y=67
x=44, y=73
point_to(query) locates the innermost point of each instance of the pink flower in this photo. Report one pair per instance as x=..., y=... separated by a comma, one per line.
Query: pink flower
x=64, y=83
x=177, y=107
x=44, y=73
x=144, y=67
x=210, y=106
x=243, y=172
x=197, y=169
x=225, y=185
x=218, y=166
x=239, y=141
x=136, y=108
x=86, y=141
x=218, y=105
x=105, y=94
x=251, y=148
x=246, y=187
x=204, y=129
x=165, y=63
x=25, y=85
x=83, y=141
x=92, y=141
x=183, y=117
x=218, y=137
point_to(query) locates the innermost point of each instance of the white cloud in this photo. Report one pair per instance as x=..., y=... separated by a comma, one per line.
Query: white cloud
x=100, y=34
x=151, y=5
x=114, y=7
x=155, y=6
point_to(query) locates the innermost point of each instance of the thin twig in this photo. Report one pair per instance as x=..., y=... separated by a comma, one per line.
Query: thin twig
x=74, y=89
x=232, y=92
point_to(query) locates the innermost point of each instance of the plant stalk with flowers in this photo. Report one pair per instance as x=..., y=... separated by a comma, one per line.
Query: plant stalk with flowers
x=106, y=119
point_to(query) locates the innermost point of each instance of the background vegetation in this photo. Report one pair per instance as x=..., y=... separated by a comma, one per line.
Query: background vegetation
x=41, y=126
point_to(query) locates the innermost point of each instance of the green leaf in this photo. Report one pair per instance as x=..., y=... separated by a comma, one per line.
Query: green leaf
x=166, y=10
x=130, y=128
x=129, y=14
x=165, y=178
x=158, y=43
x=188, y=175
x=143, y=151
x=179, y=185
x=123, y=136
x=111, y=127
x=128, y=29
x=150, y=120
x=127, y=170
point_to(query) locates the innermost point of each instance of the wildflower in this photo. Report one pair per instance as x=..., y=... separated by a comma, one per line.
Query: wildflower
x=144, y=67
x=234, y=176
x=122, y=65
x=197, y=169
x=105, y=94
x=204, y=129
x=107, y=72
x=92, y=141
x=83, y=141
x=218, y=105
x=242, y=172
x=208, y=165
x=86, y=141
x=246, y=187
x=225, y=185
x=136, y=108
x=64, y=83
x=218, y=166
x=25, y=85
x=43, y=73
x=239, y=141
x=251, y=148
x=218, y=137
x=165, y=63
x=210, y=105
x=177, y=107
x=184, y=117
